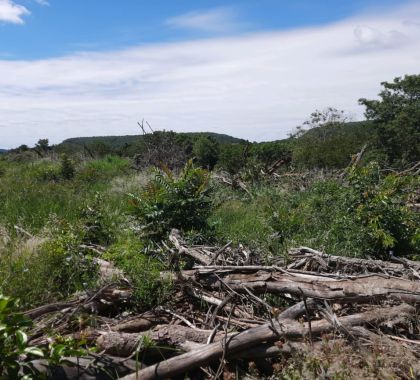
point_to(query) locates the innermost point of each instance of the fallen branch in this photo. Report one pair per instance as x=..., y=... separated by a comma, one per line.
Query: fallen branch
x=255, y=336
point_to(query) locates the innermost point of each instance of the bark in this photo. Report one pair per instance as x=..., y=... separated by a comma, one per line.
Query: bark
x=140, y=322
x=171, y=336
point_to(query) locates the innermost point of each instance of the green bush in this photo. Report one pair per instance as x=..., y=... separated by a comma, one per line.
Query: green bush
x=46, y=171
x=232, y=158
x=54, y=269
x=206, y=152
x=366, y=214
x=95, y=227
x=379, y=204
x=16, y=356
x=173, y=202
x=67, y=169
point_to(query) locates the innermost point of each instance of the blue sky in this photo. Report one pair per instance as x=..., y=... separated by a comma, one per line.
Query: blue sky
x=253, y=69
x=57, y=27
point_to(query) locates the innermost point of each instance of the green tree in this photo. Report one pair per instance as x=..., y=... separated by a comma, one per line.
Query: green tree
x=100, y=148
x=396, y=116
x=206, y=151
x=326, y=140
x=42, y=145
x=67, y=167
x=233, y=157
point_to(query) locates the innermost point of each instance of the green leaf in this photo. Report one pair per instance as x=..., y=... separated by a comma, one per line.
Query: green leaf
x=22, y=338
x=36, y=351
x=4, y=301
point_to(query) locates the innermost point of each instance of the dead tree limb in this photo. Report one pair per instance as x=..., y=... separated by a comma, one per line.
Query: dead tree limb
x=197, y=255
x=255, y=336
x=362, y=288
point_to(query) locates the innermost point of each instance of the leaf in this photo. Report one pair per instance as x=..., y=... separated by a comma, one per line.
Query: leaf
x=36, y=351
x=22, y=338
x=4, y=301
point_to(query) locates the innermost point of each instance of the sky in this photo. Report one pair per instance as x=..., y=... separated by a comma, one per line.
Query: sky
x=251, y=69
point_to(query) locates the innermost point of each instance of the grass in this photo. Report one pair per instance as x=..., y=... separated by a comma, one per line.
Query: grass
x=30, y=192
x=363, y=215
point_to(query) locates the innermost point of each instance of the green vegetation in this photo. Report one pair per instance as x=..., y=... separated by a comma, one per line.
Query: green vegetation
x=206, y=152
x=61, y=208
x=173, y=202
x=396, y=118
x=16, y=356
x=367, y=214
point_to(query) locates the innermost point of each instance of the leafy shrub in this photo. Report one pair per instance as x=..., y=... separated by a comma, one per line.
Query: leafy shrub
x=364, y=215
x=93, y=223
x=16, y=356
x=380, y=205
x=67, y=169
x=64, y=263
x=55, y=268
x=232, y=157
x=206, y=151
x=173, y=202
x=46, y=171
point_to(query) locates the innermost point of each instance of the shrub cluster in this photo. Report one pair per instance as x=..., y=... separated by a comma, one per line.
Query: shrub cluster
x=170, y=201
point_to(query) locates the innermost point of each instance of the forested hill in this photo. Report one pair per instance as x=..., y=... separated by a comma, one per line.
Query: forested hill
x=2, y=151
x=120, y=141
x=315, y=145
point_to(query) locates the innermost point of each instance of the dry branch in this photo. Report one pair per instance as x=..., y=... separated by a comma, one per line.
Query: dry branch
x=196, y=254
x=310, y=259
x=255, y=336
x=311, y=285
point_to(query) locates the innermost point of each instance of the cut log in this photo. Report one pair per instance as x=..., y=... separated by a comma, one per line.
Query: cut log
x=362, y=288
x=171, y=336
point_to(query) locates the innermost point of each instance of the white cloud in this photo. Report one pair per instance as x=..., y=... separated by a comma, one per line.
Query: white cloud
x=42, y=2
x=12, y=12
x=258, y=86
x=371, y=38
x=220, y=20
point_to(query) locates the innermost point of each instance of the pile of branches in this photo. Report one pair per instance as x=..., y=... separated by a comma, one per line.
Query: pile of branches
x=230, y=313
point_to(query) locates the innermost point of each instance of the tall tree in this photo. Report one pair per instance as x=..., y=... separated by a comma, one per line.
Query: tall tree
x=396, y=116
x=325, y=140
x=206, y=151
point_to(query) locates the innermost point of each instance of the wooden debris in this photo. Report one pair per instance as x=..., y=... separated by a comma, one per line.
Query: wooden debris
x=221, y=311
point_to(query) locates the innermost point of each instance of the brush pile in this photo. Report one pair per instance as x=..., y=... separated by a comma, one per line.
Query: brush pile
x=233, y=317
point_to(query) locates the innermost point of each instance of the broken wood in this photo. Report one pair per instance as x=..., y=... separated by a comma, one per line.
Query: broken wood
x=362, y=288
x=252, y=337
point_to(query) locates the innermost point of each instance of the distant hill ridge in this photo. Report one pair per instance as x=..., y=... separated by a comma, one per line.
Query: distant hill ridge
x=119, y=141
